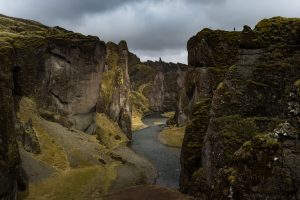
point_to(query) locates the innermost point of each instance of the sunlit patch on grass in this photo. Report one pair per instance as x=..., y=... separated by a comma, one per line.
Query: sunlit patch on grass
x=172, y=136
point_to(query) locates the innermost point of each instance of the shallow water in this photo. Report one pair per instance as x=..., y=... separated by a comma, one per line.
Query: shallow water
x=166, y=159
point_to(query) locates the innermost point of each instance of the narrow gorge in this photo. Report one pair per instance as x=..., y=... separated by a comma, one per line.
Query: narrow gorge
x=86, y=119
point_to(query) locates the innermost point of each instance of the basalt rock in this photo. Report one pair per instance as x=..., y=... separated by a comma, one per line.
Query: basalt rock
x=27, y=136
x=245, y=147
x=158, y=83
x=211, y=48
x=114, y=98
x=211, y=53
x=60, y=69
x=9, y=156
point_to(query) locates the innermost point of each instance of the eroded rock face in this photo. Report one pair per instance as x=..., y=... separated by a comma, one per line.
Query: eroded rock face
x=72, y=77
x=61, y=69
x=114, y=98
x=157, y=82
x=9, y=156
x=62, y=72
x=27, y=136
x=210, y=53
x=213, y=48
x=230, y=152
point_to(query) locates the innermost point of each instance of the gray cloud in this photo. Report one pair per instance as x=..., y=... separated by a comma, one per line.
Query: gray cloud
x=152, y=28
x=51, y=11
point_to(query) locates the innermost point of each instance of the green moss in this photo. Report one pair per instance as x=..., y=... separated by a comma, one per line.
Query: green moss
x=17, y=25
x=266, y=24
x=221, y=86
x=140, y=102
x=232, y=180
x=223, y=44
x=233, y=69
x=251, y=82
x=233, y=131
x=218, y=70
x=194, y=135
x=277, y=30
x=141, y=74
x=261, y=144
x=237, y=125
x=107, y=88
x=219, y=34
x=297, y=85
x=12, y=153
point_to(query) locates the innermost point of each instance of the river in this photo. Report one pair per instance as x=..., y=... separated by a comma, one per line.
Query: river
x=165, y=159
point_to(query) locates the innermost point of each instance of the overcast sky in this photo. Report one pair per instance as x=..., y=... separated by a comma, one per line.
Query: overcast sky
x=152, y=28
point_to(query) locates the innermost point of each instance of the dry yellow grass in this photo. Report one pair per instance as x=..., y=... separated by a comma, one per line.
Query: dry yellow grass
x=108, y=132
x=79, y=184
x=137, y=123
x=172, y=136
x=51, y=152
x=75, y=155
x=169, y=114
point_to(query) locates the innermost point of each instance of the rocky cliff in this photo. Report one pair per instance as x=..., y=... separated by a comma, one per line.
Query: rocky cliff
x=54, y=83
x=241, y=141
x=157, y=82
x=9, y=155
x=114, y=98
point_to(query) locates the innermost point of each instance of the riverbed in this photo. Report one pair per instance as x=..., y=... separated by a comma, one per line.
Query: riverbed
x=165, y=159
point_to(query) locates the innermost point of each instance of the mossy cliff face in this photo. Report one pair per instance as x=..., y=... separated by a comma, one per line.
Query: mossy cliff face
x=61, y=84
x=157, y=82
x=114, y=99
x=213, y=48
x=61, y=69
x=9, y=156
x=210, y=55
x=243, y=151
x=195, y=84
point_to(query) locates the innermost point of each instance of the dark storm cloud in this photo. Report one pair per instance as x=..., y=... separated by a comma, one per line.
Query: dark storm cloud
x=152, y=28
x=50, y=11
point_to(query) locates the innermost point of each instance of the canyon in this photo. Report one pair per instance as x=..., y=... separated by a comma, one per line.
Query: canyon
x=69, y=104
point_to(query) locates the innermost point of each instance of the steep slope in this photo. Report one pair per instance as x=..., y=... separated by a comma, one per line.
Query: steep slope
x=9, y=156
x=65, y=97
x=236, y=146
x=114, y=98
x=157, y=82
x=154, y=86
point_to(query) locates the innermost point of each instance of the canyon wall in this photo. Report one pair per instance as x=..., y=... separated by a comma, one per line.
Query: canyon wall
x=156, y=83
x=54, y=77
x=241, y=140
x=114, y=98
x=9, y=155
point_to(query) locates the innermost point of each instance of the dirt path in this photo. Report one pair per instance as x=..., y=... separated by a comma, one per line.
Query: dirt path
x=146, y=192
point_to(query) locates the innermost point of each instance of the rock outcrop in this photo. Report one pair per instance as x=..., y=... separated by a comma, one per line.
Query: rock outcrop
x=55, y=82
x=9, y=155
x=157, y=82
x=210, y=54
x=235, y=147
x=114, y=98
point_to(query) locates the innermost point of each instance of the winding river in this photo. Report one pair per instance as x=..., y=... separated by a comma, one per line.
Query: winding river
x=165, y=159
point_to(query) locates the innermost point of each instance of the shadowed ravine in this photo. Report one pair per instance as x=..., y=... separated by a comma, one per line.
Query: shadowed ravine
x=165, y=159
